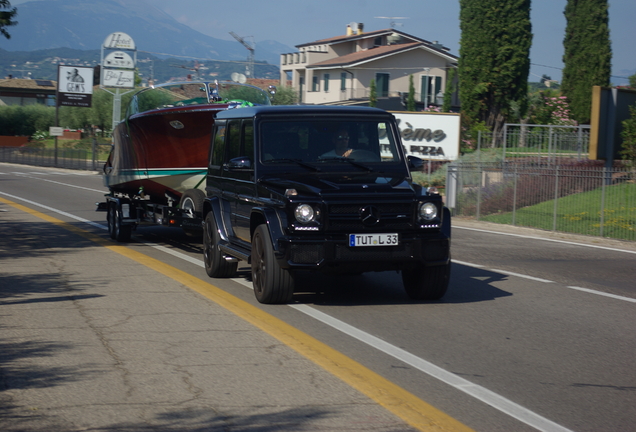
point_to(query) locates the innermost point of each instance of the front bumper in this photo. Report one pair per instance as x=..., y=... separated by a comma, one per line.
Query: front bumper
x=333, y=254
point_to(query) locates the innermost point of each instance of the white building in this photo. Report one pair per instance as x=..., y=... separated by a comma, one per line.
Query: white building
x=340, y=69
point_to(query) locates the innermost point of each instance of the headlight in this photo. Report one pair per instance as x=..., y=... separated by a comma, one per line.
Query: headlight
x=304, y=213
x=428, y=211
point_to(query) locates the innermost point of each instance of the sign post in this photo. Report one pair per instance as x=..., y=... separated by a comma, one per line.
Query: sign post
x=118, y=68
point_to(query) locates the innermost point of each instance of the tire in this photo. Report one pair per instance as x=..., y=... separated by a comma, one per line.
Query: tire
x=215, y=264
x=427, y=283
x=192, y=201
x=116, y=230
x=272, y=284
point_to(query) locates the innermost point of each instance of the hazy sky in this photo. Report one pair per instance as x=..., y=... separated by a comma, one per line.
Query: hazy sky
x=294, y=22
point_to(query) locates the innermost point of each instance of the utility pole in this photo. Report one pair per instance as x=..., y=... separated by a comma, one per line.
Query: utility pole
x=249, y=68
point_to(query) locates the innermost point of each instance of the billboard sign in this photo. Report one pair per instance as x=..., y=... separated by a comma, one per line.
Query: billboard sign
x=119, y=59
x=430, y=135
x=74, y=86
x=119, y=40
x=118, y=78
x=118, y=66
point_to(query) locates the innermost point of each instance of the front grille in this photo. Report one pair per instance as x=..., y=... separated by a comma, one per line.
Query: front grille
x=306, y=253
x=392, y=216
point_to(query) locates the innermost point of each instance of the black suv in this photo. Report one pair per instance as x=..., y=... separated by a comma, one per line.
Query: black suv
x=314, y=188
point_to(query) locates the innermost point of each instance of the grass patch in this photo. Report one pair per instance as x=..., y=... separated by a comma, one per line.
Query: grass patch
x=581, y=213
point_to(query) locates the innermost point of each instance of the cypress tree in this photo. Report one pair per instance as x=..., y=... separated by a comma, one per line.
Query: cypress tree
x=494, y=58
x=587, y=54
x=373, y=95
x=410, y=100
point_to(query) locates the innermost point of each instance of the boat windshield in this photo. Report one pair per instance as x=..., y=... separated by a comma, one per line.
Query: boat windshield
x=196, y=93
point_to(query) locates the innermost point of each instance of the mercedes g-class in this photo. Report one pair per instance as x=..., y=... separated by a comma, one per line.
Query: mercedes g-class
x=326, y=189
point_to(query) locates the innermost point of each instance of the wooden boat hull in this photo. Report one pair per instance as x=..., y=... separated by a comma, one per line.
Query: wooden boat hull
x=161, y=151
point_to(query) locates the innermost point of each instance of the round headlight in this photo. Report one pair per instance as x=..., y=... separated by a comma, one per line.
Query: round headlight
x=304, y=213
x=428, y=211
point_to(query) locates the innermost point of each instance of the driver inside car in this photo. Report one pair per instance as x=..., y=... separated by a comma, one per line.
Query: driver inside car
x=341, y=145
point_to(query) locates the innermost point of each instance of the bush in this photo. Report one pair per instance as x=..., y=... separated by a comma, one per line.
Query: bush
x=16, y=120
x=628, y=134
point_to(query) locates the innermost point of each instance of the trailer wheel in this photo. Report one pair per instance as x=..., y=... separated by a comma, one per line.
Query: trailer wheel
x=215, y=264
x=426, y=283
x=272, y=284
x=116, y=230
x=192, y=205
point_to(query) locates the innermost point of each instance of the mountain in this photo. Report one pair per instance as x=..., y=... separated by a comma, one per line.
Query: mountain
x=85, y=24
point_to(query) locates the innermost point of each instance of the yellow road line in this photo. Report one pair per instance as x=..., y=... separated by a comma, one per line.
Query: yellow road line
x=400, y=402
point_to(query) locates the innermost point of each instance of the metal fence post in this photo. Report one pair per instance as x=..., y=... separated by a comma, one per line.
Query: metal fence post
x=505, y=140
x=550, y=155
x=556, y=198
x=451, y=186
x=479, y=146
x=514, y=197
x=478, y=207
x=602, y=222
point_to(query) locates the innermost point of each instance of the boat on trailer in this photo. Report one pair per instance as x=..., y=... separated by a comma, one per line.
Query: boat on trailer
x=156, y=170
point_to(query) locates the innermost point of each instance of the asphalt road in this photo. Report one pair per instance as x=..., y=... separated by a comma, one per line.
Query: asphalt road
x=535, y=333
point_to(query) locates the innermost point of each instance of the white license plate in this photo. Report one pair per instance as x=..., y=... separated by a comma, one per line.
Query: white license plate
x=373, y=240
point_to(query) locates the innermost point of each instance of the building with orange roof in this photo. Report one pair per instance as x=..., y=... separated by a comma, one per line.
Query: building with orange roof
x=339, y=70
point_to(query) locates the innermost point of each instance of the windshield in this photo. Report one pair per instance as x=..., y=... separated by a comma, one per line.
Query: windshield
x=196, y=93
x=328, y=141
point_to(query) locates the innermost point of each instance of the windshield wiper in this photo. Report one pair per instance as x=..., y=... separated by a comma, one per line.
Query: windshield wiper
x=296, y=161
x=343, y=159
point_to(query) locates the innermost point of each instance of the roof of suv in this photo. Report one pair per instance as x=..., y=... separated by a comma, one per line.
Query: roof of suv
x=298, y=110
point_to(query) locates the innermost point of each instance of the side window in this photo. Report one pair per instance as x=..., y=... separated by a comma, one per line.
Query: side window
x=218, y=147
x=248, y=139
x=233, y=140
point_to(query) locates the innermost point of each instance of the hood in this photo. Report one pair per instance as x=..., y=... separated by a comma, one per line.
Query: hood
x=341, y=184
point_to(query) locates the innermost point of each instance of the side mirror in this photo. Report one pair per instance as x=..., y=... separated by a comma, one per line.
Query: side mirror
x=239, y=163
x=415, y=163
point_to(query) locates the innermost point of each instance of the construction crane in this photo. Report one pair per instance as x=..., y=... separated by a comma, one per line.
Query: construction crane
x=249, y=68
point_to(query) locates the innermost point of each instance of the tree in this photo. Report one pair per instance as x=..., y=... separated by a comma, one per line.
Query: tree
x=494, y=59
x=410, y=101
x=6, y=17
x=449, y=90
x=587, y=54
x=285, y=95
x=373, y=95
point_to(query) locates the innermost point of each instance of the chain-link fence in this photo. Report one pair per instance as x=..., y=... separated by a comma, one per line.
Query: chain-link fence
x=540, y=143
x=569, y=198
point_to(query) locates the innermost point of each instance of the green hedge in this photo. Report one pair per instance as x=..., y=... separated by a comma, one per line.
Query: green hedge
x=16, y=120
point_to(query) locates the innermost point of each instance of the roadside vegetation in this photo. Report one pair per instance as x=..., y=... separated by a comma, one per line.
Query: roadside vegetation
x=580, y=214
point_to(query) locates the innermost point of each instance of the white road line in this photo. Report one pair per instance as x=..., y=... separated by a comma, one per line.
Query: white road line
x=468, y=264
x=546, y=239
x=63, y=184
x=478, y=392
x=614, y=296
x=54, y=210
x=519, y=275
